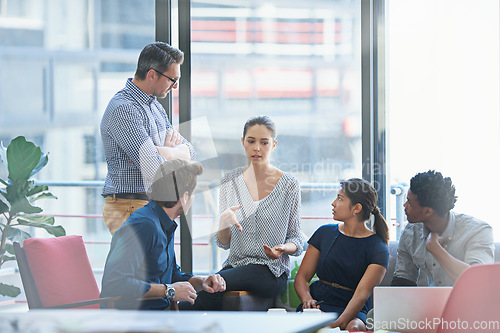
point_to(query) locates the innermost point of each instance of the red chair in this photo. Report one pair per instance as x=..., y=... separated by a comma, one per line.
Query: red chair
x=56, y=273
x=474, y=302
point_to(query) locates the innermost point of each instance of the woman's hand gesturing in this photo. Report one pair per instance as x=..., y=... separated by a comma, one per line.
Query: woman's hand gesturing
x=228, y=218
x=275, y=252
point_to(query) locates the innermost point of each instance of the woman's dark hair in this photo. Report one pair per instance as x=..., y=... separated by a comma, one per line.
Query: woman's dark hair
x=172, y=179
x=158, y=56
x=260, y=120
x=362, y=192
x=434, y=191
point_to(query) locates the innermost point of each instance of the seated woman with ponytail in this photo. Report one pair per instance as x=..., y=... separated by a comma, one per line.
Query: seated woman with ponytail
x=348, y=258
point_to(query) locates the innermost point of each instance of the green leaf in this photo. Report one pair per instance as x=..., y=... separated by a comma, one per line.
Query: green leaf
x=9, y=248
x=53, y=230
x=37, y=189
x=44, y=159
x=46, y=195
x=22, y=158
x=8, y=290
x=18, y=189
x=22, y=205
x=3, y=207
x=16, y=235
x=38, y=219
x=57, y=231
x=8, y=258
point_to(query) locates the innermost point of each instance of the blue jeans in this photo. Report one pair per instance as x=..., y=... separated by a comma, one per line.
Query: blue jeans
x=257, y=279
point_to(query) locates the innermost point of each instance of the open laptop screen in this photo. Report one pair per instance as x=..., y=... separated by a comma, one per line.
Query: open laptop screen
x=408, y=309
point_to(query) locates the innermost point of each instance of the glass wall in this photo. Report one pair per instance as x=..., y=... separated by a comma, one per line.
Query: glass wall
x=60, y=63
x=297, y=62
x=443, y=97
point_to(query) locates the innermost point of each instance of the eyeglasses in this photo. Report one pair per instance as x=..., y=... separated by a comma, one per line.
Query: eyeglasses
x=174, y=81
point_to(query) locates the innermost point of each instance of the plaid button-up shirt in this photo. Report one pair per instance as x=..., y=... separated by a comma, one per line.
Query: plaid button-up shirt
x=133, y=124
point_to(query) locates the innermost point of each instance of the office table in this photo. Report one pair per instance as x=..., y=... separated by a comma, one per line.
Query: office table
x=107, y=321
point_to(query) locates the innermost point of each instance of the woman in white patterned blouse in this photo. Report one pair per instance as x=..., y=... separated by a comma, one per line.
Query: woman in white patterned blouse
x=259, y=220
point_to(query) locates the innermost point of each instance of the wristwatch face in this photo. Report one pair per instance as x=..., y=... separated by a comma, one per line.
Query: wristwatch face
x=169, y=292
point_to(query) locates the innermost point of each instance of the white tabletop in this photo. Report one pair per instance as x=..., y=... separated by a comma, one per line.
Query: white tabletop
x=105, y=321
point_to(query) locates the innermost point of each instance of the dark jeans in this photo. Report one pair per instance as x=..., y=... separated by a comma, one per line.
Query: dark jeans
x=257, y=279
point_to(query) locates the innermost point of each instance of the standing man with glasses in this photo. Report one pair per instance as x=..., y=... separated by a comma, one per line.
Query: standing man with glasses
x=137, y=135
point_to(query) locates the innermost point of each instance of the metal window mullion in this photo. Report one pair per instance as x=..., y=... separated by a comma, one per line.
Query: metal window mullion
x=367, y=89
x=184, y=20
x=381, y=171
x=163, y=33
x=374, y=167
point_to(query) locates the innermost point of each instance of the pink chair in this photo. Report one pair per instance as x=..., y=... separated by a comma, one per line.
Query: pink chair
x=474, y=302
x=56, y=273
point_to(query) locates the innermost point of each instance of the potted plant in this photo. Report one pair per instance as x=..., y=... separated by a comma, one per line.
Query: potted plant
x=18, y=192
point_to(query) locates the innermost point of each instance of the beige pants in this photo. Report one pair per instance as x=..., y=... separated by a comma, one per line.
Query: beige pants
x=116, y=211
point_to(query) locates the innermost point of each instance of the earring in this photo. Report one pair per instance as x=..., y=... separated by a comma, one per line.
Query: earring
x=354, y=214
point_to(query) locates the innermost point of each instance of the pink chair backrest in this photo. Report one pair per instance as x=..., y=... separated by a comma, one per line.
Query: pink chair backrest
x=61, y=270
x=474, y=302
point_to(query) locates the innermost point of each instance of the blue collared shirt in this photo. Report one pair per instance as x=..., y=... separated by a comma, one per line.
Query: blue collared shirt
x=141, y=253
x=133, y=124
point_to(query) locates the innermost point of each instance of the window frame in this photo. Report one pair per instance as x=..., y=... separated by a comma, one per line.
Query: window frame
x=374, y=156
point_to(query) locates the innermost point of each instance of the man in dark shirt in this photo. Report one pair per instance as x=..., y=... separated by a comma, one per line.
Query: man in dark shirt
x=141, y=261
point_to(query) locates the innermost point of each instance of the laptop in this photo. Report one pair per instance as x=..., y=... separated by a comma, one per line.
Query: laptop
x=408, y=309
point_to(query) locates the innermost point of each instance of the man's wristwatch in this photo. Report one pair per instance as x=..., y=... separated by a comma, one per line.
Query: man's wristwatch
x=169, y=292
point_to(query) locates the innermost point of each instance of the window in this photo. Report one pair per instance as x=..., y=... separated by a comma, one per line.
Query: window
x=60, y=63
x=298, y=63
x=443, y=97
